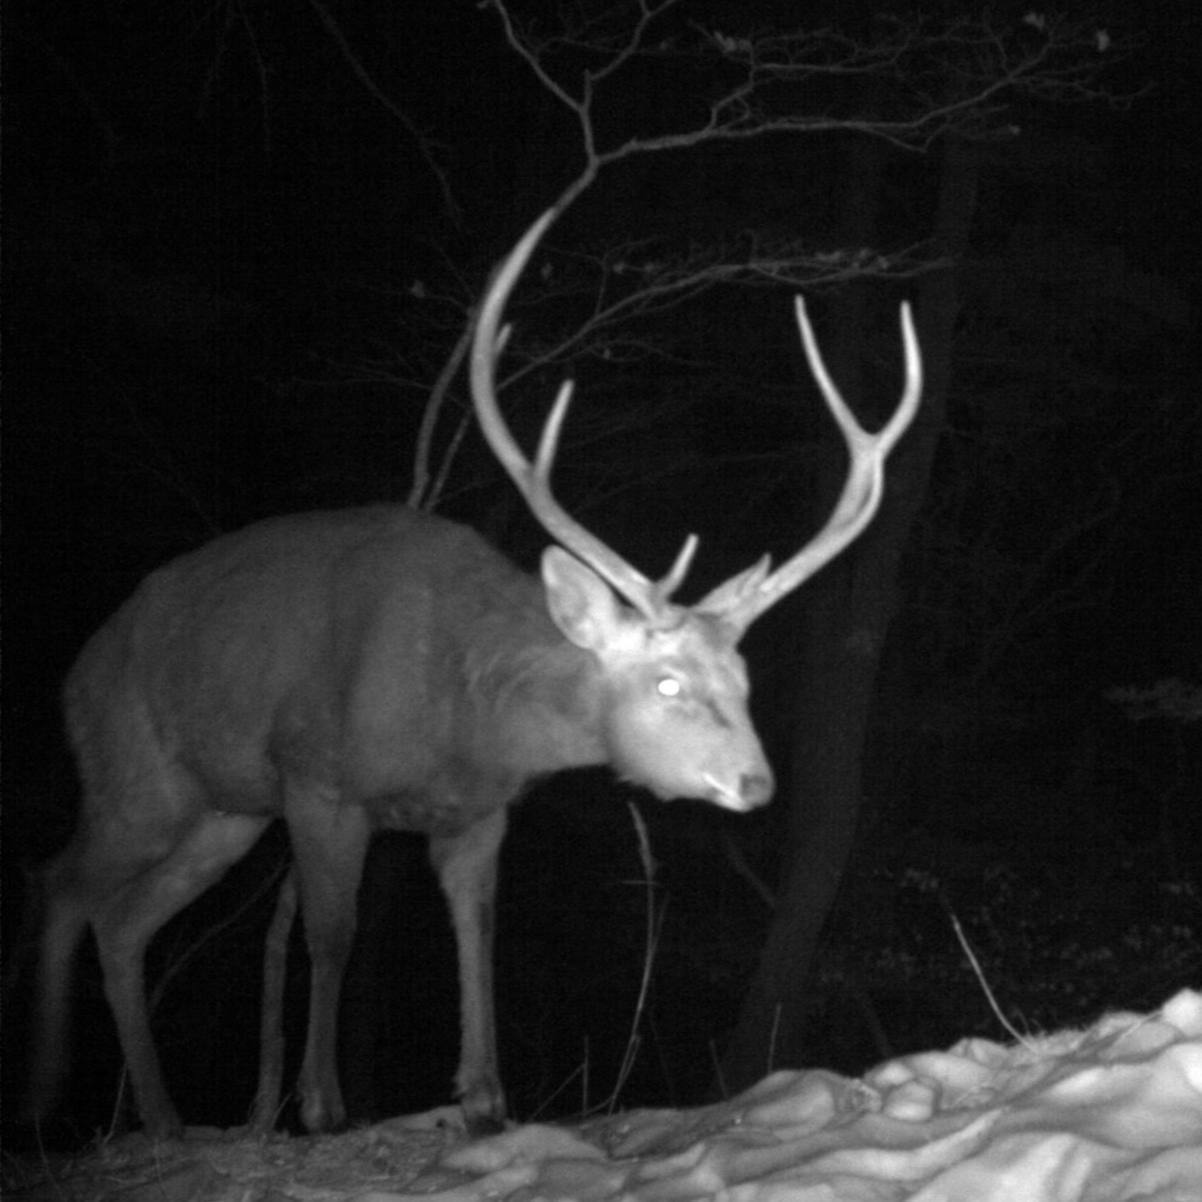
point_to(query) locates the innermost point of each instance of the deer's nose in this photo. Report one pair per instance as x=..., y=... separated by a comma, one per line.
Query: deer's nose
x=755, y=788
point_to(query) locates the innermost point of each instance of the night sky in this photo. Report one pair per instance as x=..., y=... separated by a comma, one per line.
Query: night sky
x=240, y=242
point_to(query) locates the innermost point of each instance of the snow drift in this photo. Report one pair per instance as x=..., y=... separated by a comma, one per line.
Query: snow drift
x=1109, y=1114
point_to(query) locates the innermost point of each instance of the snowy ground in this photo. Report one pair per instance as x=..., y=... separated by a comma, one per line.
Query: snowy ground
x=1109, y=1114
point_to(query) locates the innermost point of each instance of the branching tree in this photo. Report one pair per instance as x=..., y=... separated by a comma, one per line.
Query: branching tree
x=944, y=79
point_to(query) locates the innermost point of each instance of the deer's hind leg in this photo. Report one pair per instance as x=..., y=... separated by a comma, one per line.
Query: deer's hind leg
x=63, y=917
x=139, y=857
x=125, y=926
x=271, y=1019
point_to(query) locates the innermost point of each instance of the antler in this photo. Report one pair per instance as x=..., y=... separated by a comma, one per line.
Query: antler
x=534, y=480
x=742, y=598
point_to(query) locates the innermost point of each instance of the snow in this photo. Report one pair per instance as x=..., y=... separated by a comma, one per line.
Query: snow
x=1112, y=1113
x=1109, y=1114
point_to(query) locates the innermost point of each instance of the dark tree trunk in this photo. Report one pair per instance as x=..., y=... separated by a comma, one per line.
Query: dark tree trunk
x=848, y=610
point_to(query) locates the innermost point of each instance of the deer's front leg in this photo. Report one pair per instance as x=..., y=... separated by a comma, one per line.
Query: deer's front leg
x=467, y=870
x=329, y=840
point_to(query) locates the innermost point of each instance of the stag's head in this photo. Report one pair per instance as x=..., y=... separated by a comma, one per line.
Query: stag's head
x=673, y=712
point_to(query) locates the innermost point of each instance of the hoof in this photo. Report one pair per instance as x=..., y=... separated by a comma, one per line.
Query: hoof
x=483, y=1109
x=482, y=1124
x=163, y=1132
x=326, y=1125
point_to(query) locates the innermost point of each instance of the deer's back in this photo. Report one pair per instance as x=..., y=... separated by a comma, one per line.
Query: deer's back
x=337, y=646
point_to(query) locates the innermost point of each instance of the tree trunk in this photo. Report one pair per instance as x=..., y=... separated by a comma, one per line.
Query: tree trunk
x=848, y=610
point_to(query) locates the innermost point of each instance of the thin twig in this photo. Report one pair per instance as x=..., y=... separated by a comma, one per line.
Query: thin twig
x=654, y=924
x=976, y=967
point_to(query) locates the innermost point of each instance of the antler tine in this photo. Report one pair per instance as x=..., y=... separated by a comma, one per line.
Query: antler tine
x=862, y=491
x=680, y=568
x=534, y=480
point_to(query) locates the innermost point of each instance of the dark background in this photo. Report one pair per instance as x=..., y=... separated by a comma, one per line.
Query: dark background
x=224, y=260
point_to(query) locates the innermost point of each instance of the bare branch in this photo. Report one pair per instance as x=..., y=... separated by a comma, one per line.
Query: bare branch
x=936, y=77
x=954, y=76
x=626, y=285
x=421, y=495
x=661, y=284
x=427, y=148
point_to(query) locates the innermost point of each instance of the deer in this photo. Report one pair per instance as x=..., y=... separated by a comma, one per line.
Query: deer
x=376, y=668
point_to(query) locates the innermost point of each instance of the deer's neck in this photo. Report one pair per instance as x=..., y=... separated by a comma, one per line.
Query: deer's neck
x=546, y=702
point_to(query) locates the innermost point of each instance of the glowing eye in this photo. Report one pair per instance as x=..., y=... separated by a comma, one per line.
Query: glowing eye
x=668, y=686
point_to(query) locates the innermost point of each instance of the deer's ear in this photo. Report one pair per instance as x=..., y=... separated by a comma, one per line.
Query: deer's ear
x=580, y=603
